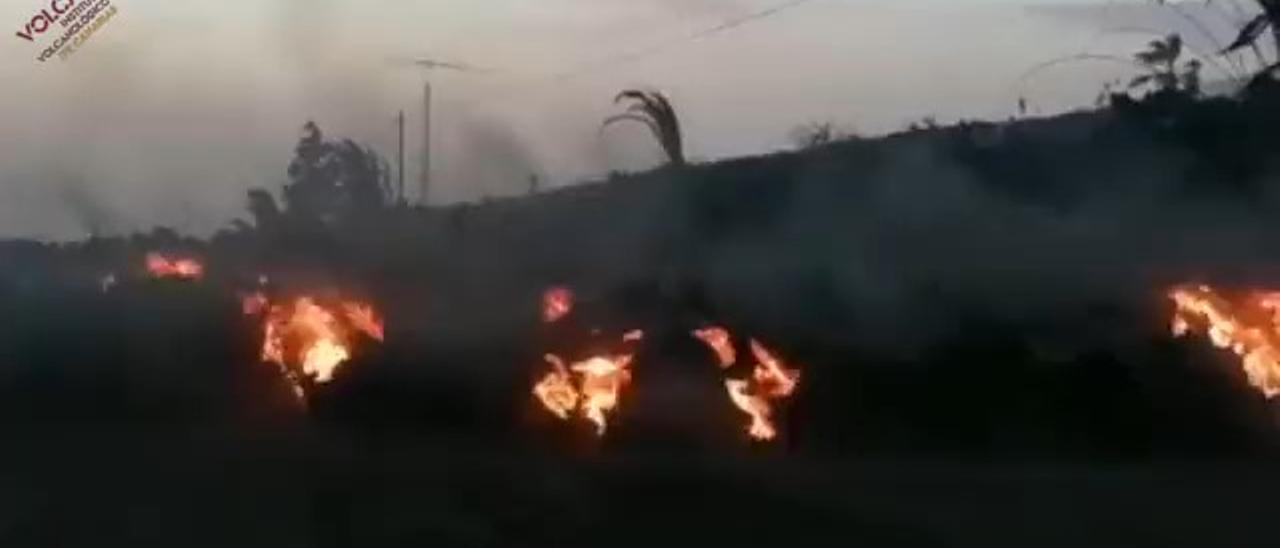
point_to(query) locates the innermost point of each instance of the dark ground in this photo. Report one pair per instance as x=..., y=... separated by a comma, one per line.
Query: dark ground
x=129, y=488
x=143, y=434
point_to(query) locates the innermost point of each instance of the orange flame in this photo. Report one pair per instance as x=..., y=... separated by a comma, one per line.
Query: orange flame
x=721, y=343
x=1250, y=329
x=309, y=341
x=602, y=380
x=364, y=319
x=756, y=407
x=770, y=380
x=556, y=390
x=592, y=387
x=774, y=380
x=159, y=266
x=557, y=303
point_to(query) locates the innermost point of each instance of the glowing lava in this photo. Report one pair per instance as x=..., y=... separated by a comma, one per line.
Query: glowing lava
x=1249, y=327
x=770, y=380
x=557, y=303
x=310, y=341
x=160, y=266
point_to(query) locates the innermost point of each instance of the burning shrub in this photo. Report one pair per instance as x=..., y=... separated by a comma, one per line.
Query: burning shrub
x=309, y=340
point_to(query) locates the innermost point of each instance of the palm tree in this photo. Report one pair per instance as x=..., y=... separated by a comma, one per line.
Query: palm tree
x=1249, y=34
x=652, y=109
x=1161, y=60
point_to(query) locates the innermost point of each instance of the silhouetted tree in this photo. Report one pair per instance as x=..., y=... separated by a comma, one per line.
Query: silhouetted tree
x=262, y=205
x=1161, y=59
x=330, y=180
x=652, y=109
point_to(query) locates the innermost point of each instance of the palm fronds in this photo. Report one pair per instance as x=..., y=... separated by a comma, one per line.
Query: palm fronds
x=654, y=110
x=1252, y=31
x=1249, y=33
x=1160, y=60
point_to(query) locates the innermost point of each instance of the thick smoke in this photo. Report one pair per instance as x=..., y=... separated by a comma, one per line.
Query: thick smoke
x=490, y=159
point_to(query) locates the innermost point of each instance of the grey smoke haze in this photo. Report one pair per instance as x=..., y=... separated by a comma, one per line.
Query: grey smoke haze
x=921, y=237
x=175, y=109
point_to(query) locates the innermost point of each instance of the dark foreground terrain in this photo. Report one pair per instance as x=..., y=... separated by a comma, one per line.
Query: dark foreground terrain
x=129, y=488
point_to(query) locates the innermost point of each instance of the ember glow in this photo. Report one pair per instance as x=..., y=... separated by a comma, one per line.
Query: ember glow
x=160, y=266
x=1248, y=327
x=254, y=303
x=590, y=389
x=770, y=380
x=310, y=341
x=557, y=303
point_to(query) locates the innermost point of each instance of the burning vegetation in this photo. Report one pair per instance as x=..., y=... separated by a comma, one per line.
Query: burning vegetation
x=590, y=389
x=310, y=340
x=769, y=380
x=1248, y=326
x=721, y=343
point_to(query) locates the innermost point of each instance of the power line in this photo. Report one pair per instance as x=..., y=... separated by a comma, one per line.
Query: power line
x=630, y=56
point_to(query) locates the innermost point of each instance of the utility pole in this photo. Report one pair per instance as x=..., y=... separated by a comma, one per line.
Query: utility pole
x=425, y=182
x=427, y=65
x=400, y=161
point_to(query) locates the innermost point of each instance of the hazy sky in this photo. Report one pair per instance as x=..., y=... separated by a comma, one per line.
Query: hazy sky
x=173, y=109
